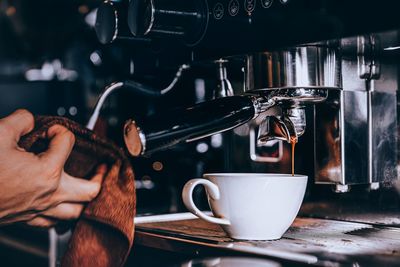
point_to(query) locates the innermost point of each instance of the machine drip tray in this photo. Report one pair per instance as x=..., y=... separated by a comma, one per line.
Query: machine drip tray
x=318, y=242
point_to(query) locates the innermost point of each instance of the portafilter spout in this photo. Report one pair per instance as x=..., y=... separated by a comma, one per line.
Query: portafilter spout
x=288, y=127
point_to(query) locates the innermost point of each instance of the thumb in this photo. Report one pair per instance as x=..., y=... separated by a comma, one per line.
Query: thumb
x=74, y=189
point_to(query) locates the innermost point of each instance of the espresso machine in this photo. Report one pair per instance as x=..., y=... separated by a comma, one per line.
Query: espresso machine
x=322, y=74
x=294, y=55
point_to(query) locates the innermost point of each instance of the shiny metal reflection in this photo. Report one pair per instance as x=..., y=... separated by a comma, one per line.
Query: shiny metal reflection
x=297, y=67
x=231, y=262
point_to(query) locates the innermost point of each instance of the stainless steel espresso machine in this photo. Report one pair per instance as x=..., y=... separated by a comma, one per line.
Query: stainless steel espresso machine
x=323, y=74
x=349, y=82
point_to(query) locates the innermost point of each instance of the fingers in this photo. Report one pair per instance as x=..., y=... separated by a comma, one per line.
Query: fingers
x=17, y=124
x=50, y=217
x=61, y=144
x=42, y=222
x=72, y=192
x=64, y=211
x=79, y=190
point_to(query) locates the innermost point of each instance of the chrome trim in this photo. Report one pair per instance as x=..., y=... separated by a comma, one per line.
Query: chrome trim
x=297, y=67
x=116, y=24
x=253, y=149
x=142, y=138
x=298, y=95
x=261, y=104
x=153, y=11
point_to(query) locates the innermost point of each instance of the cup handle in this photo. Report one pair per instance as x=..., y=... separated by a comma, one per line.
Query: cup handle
x=213, y=191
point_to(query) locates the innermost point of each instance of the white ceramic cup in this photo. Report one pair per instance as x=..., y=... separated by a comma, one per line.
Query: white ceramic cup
x=249, y=206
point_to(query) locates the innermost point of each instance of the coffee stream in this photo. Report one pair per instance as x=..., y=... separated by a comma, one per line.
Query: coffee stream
x=293, y=141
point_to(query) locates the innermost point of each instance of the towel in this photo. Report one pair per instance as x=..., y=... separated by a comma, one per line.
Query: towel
x=103, y=235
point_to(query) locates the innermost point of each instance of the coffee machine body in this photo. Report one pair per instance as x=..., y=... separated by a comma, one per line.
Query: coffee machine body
x=355, y=131
x=300, y=78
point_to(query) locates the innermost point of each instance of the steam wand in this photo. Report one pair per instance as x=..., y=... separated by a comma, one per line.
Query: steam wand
x=138, y=87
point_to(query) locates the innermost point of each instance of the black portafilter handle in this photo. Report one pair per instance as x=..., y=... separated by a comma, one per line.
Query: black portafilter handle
x=165, y=129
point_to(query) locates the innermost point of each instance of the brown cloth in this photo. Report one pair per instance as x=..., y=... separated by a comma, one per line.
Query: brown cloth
x=103, y=236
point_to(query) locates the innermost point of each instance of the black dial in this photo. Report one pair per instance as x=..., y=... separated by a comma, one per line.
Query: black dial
x=141, y=17
x=111, y=21
x=106, y=23
x=175, y=19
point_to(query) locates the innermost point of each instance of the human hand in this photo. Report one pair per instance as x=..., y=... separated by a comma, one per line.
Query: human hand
x=35, y=188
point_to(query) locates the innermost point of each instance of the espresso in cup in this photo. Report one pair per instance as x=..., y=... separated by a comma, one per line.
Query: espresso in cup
x=249, y=206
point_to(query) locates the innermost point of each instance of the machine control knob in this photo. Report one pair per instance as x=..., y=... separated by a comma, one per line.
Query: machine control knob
x=141, y=17
x=111, y=21
x=174, y=19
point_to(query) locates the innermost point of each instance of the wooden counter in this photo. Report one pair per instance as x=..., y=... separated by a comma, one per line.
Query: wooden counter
x=309, y=240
